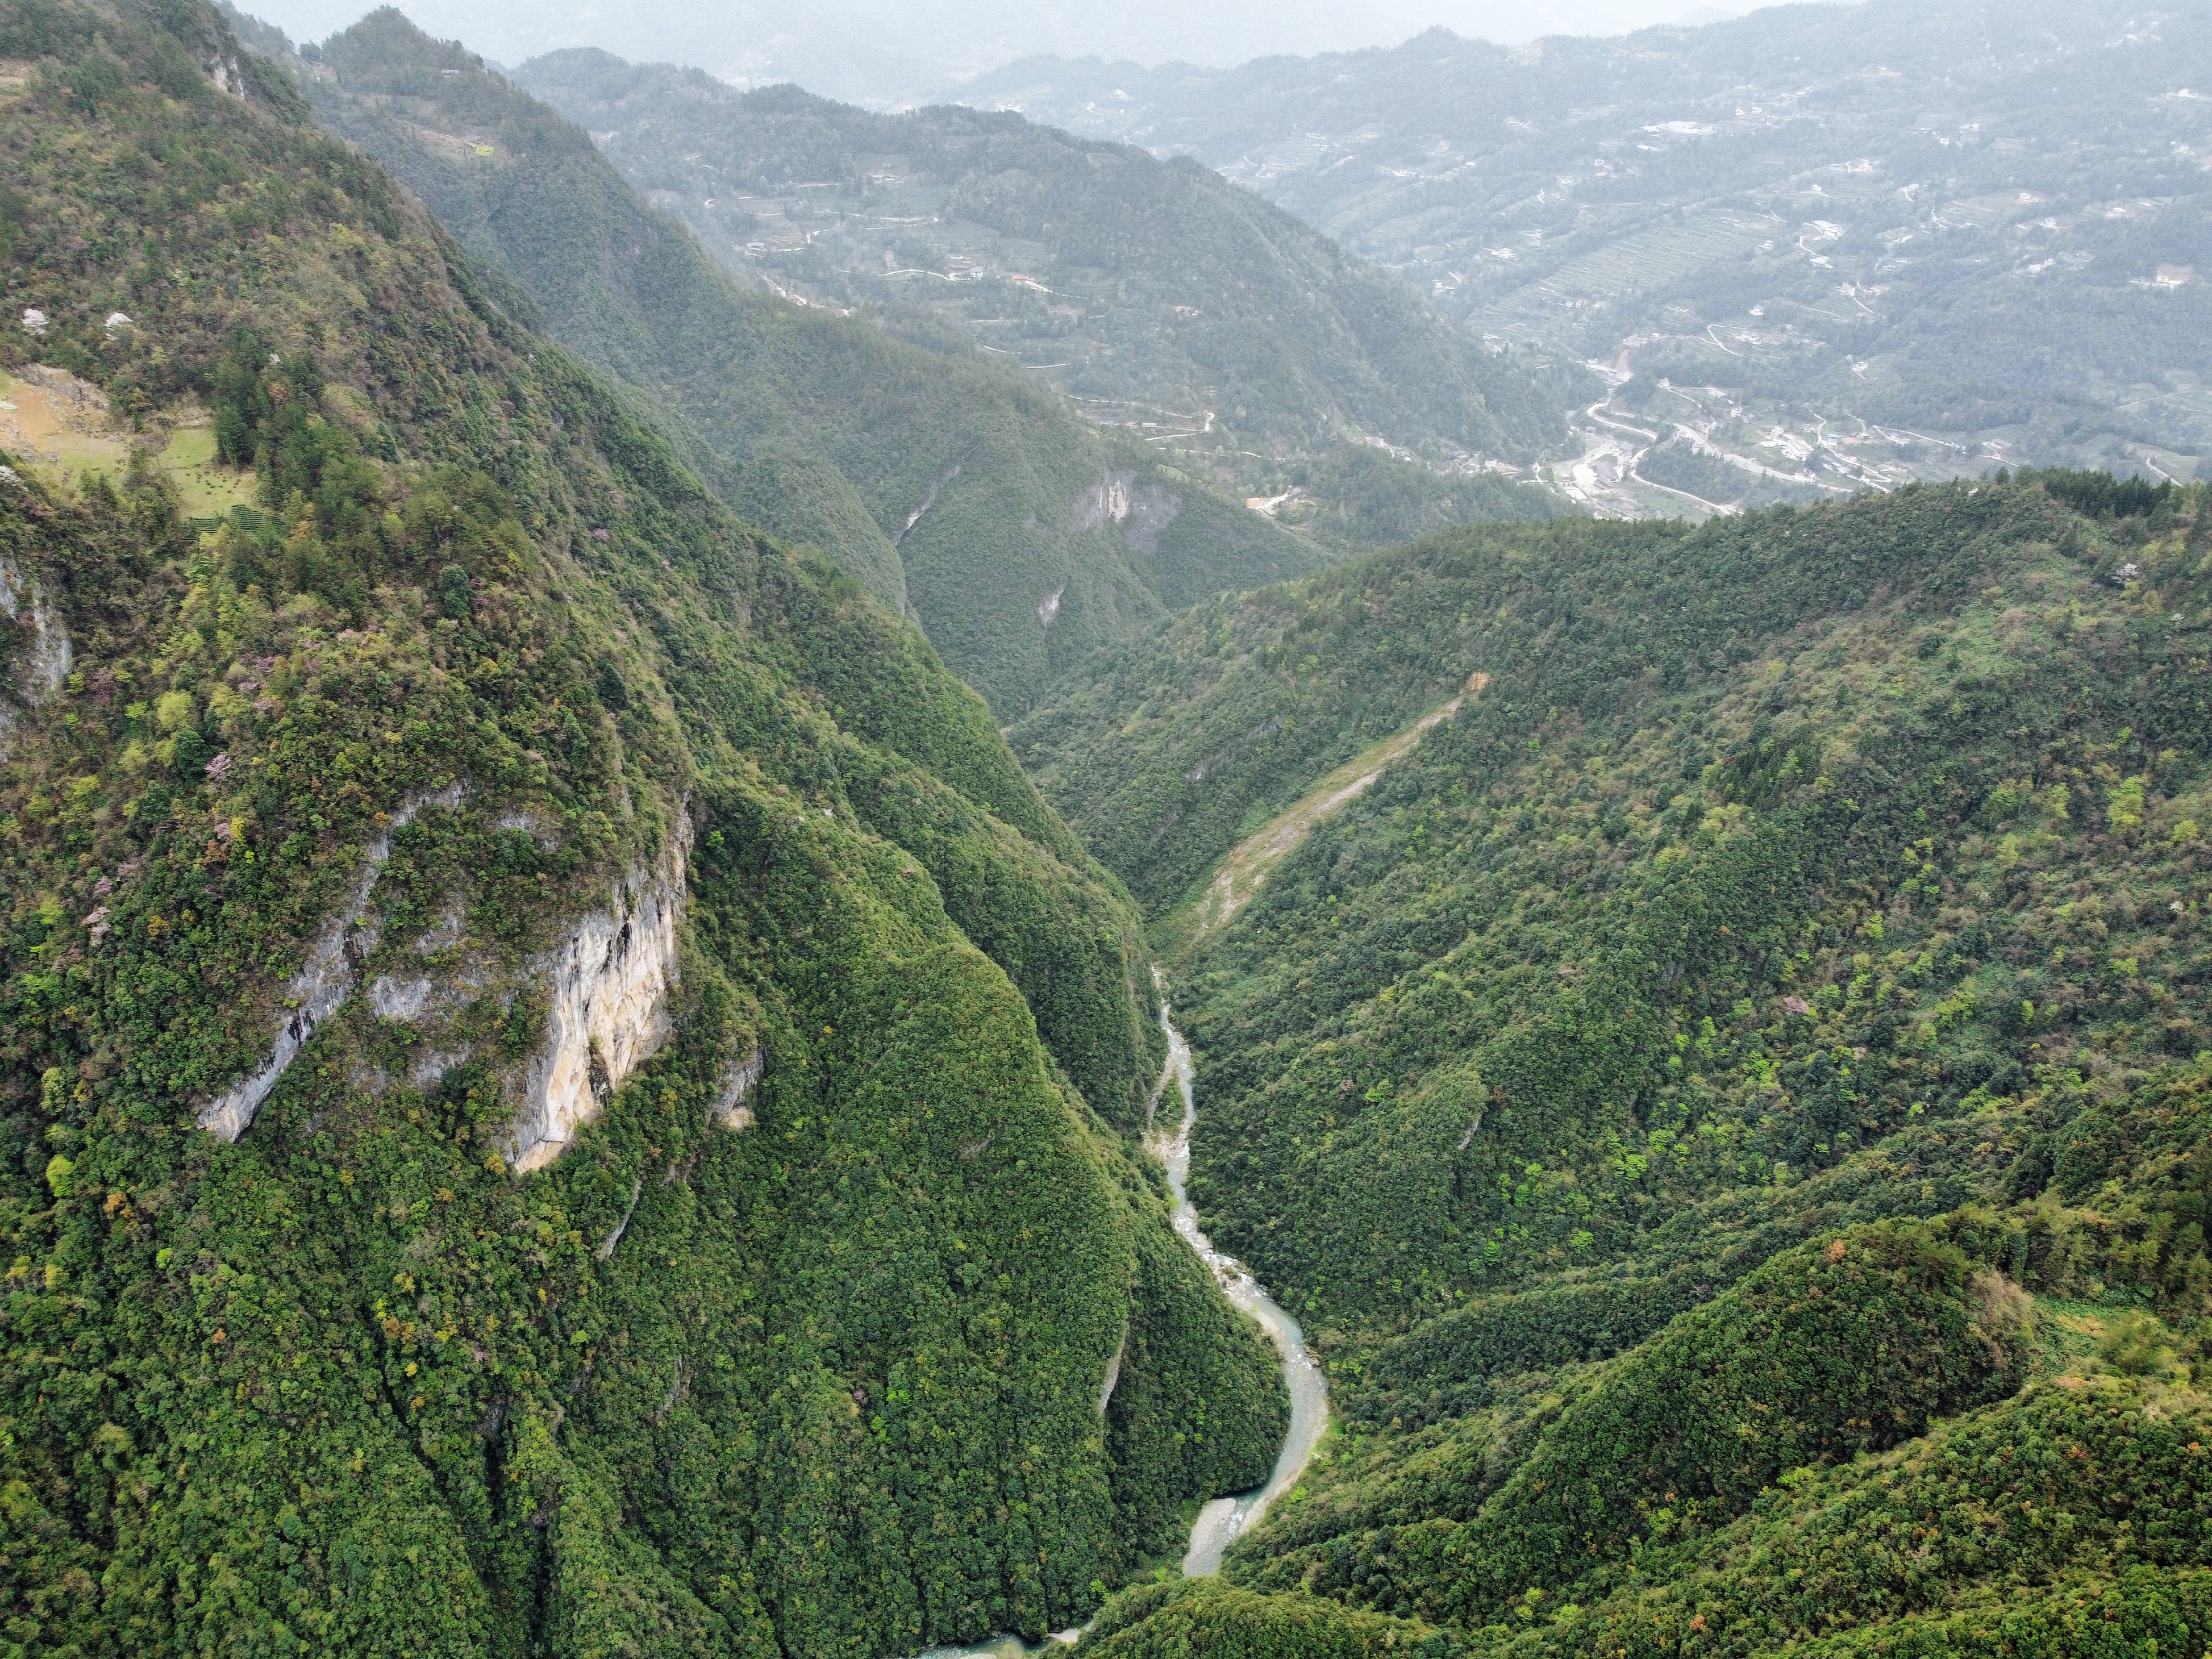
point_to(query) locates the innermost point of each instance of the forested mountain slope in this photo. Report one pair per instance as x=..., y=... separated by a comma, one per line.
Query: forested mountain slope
x=1156, y=295
x=1834, y=244
x=1809, y=906
x=1019, y=537
x=557, y=1077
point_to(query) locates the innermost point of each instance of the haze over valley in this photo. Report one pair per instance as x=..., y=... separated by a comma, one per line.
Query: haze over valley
x=1278, y=833
x=880, y=54
x=1834, y=247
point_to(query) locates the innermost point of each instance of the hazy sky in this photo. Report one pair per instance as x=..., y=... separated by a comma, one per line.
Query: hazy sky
x=883, y=50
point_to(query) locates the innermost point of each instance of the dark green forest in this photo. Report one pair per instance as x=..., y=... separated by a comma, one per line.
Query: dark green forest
x=802, y=1343
x=1729, y=1101
x=1743, y=1072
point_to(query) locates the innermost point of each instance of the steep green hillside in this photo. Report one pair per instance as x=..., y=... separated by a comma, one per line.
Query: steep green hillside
x=1824, y=1353
x=1018, y=538
x=1165, y=752
x=549, y=1054
x=1951, y=733
x=1154, y=295
x=1787, y=879
x=2066, y=1521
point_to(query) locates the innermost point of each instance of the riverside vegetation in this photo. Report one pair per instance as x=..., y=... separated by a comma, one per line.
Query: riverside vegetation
x=848, y=1323
x=1732, y=1106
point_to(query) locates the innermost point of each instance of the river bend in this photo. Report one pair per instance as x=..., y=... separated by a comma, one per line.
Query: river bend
x=1221, y=1522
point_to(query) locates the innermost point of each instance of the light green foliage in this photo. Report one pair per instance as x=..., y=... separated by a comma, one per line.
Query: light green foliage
x=1180, y=1418
x=1712, y=886
x=2032, y=1529
x=819, y=1380
x=1823, y=1352
x=1205, y=1619
x=1774, y=890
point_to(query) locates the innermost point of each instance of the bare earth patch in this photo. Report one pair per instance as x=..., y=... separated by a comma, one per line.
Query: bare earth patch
x=1251, y=861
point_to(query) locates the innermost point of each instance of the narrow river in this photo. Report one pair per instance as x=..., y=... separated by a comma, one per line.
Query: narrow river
x=1220, y=1521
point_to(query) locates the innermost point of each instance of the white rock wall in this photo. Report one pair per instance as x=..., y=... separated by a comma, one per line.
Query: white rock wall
x=609, y=981
x=320, y=985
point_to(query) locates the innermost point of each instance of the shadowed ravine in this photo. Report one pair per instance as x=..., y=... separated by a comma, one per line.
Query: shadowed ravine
x=1220, y=1521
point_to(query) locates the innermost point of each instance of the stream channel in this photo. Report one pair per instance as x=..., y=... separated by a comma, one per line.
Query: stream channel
x=1221, y=1521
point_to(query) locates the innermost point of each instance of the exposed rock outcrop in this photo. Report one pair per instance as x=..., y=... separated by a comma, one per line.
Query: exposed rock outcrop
x=43, y=663
x=609, y=981
x=737, y=1082
x=399, y=998
x=1143, y=510
x=606, y=1251
x=1113, y=1370
x=322, y=982
x=1108, y=500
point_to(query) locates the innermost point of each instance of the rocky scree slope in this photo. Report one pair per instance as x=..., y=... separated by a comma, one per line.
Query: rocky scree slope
x=487, y=711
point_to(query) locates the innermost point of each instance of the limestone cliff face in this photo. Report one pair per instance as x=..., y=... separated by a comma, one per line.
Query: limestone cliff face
x=609, y=981
x=609, y=978
x=42, y=659
x=322, y=982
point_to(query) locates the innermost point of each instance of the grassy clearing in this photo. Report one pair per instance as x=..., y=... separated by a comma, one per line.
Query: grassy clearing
x=206, y=488
x=60, y=426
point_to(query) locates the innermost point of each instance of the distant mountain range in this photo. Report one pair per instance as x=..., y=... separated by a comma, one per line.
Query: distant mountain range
x=1159, y=298
x=880, y=52
x=1834, y=247
x=1018, y=535
x=1037, y=437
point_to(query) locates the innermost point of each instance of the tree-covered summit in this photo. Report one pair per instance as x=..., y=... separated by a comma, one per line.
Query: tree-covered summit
x=800, y=1344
